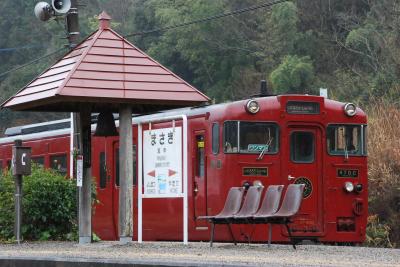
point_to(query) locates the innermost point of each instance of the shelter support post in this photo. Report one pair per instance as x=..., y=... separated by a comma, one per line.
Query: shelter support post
x=125, y=175
x=85, y=198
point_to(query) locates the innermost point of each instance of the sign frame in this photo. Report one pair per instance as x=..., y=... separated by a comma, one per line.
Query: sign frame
x=184, y=173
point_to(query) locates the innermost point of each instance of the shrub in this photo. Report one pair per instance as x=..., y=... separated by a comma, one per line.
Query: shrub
x=377, y=233
x=6, y=206
x=49, y=208
x=384, y=170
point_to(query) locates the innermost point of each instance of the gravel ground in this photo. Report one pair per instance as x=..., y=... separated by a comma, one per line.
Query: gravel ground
x=200, y=254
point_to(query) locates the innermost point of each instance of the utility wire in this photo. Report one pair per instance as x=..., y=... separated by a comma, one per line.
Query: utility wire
x=217, y=16
x=10, y=49
x=31, y=62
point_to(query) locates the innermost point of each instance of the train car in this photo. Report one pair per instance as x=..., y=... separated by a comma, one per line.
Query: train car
x=269, y=140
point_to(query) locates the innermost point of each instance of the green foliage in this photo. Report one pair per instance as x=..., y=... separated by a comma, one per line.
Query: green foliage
x=6, y=206
x=284, y=33
x=49, y=206
x=377, y=233
x=361, y=39
x=293, y=75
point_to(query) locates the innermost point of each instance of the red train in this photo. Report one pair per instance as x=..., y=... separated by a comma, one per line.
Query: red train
x=275, y=140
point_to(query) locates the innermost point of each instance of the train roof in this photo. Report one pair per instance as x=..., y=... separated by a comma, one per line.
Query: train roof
x=59, y=127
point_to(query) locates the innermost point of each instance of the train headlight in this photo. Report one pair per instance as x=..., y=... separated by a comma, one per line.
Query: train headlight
x=358, y=188
x=350, y=109
x=252, y=106
x=348, y=187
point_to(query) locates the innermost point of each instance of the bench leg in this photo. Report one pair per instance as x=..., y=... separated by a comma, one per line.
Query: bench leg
x=212, y=234
x=269, y=234
x=251, y=234
x=233, y=237
x=290, y=235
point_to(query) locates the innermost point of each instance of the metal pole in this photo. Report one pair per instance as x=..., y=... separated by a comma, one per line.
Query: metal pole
x=185, y=182
x=72, y=143
x=72, y=21
x=84, y=192
x=140, y=182
x=18, y=198
x=85, y=197
x=73, y=24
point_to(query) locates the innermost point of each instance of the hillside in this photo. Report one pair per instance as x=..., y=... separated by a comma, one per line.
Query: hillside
x=349, y=47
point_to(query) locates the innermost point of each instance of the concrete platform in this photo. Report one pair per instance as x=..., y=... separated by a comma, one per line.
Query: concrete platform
x=102, y=254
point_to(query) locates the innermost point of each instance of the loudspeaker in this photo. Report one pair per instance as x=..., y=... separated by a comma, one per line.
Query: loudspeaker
x=43, y=11
x=61, y=6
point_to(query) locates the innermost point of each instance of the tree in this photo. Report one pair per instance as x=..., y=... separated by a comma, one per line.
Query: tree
x=293, y=75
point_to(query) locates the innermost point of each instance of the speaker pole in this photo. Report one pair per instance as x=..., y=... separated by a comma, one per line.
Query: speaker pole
x=73, y=24
x=84, y=195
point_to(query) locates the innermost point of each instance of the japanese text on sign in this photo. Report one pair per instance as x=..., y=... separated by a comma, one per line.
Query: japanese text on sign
x=162, y=162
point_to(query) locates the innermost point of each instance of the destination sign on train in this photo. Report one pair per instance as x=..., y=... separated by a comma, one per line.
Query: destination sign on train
x=298, y=107
x=257, y=147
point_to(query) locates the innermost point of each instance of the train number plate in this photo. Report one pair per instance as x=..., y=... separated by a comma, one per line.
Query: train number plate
x=253, y=171
x=346, y=173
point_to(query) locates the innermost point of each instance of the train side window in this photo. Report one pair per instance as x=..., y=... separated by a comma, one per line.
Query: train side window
x=215, y=138
x=134, y=165
x=365, y=141
x=200, y=156
x=117, y=167
x=231, y=137
x=302, y=147
x=345, y=140
x=103, y=170
x=38, y=160
x=59, y=163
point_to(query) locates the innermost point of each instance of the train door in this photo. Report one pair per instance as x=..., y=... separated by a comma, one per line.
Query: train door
x=199, y=177
x=115, y=195
x=304, y=165
x=102, y=169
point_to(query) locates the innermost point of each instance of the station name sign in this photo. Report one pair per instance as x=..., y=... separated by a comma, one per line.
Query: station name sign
x=300, y=107
x=162, y=162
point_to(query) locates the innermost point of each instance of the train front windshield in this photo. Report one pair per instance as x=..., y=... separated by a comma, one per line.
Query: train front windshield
x=250, y=137
x=347, y=140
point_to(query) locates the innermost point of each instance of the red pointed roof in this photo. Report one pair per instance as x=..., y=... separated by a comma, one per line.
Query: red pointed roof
x=106, y=70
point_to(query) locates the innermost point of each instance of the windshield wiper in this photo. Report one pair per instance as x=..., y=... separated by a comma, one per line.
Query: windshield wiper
x=262, y=153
